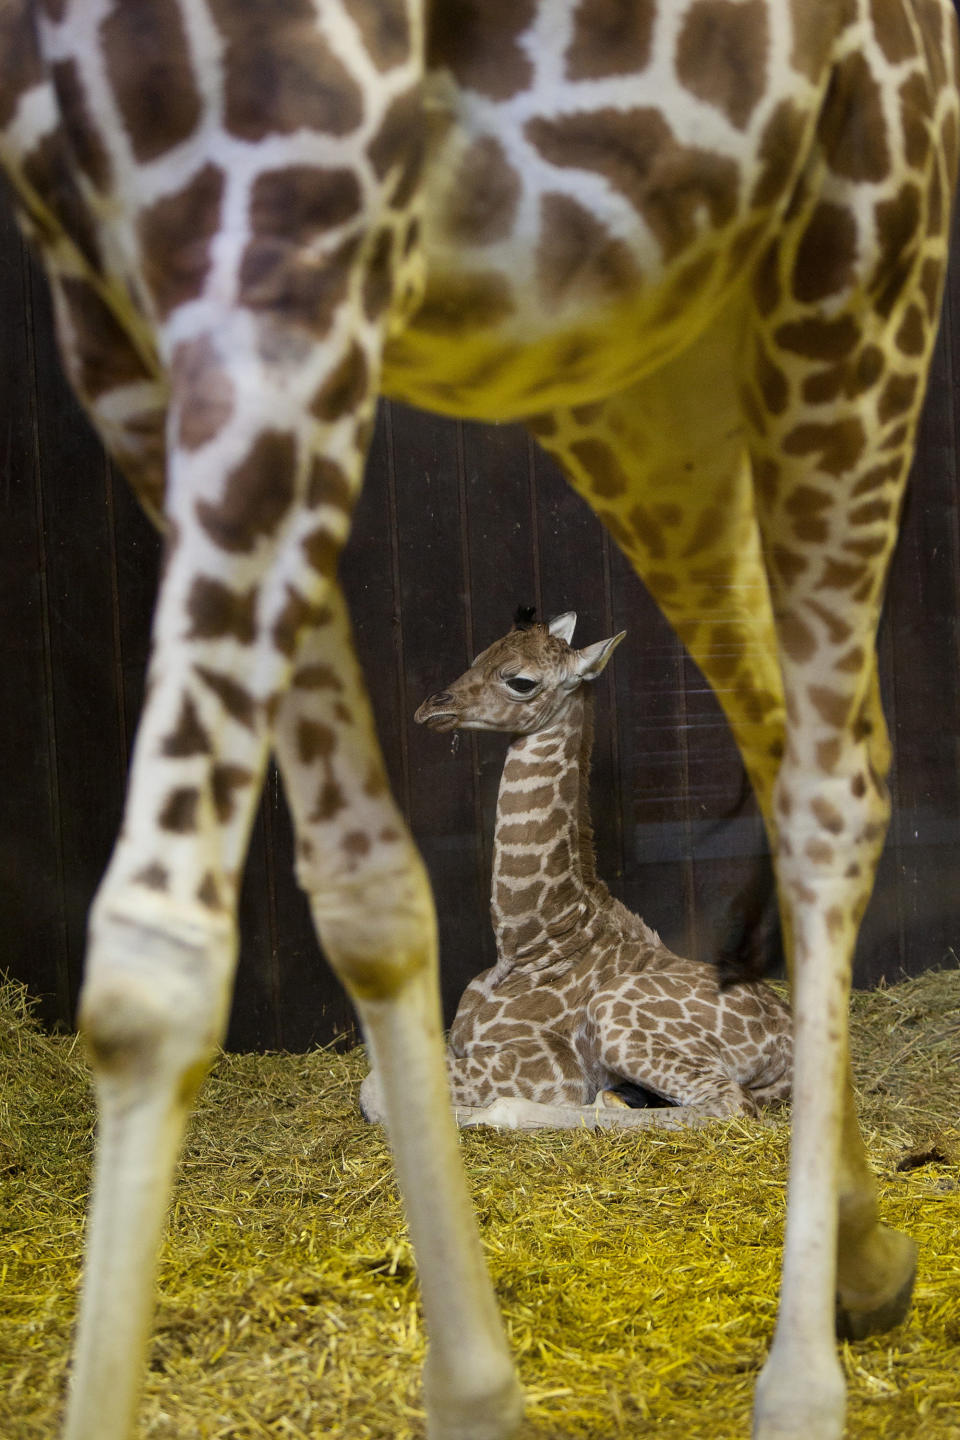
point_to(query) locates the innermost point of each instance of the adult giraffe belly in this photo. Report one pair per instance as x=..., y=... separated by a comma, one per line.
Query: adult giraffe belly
x=462, y=355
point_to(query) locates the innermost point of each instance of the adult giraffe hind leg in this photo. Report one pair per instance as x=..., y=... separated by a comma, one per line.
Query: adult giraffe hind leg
x=834, y=377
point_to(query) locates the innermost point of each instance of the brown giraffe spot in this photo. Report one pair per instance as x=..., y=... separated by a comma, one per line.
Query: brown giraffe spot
x=669, y=184
x=898, y=229
x=519, y=865
x=356, y=843
x=853, y=662
x=817, y=339
x=400, y=144
x=826, y=254
x=852, y=128
x=832, y=708
x=154, y=877
x=895, y=439
x=315, y=741
x=797, y=639
x=835, y=921
x=328, y=485
x=298, y=203
x=722, y=54
x=280, y=75
x=812, y=38
x=576, y=255
x=866, y=372
x=188, y=736
x=235, y=699
x=322, y=551
x=610, y=37
x=296, y=615
x=175, y=234
x=525, y=801
x=461, y=305
x=787, y=563
x=645, y=529
x=204, y=392
x=179, y=810
x=384, y=28
x=216, y=611
x=772, y=382
x=330, y=801
x=103, y=358
x=897, y=396
x=482, y=206
x=931, y=280
x=478, y=41
x=606, y=475
x=868, y=549
x=777, y=152
x=828, y=753
x=208, y=892
x=528, y=832
x=805, y=505
x=257, y=495
x=766, y=281
x=344, y=389
x=876, y=478
x=871, y=513
x=543, y=426
x=317, y=676
x=22, y=66
x=224, y=780
x=838, y=446
x=819, y=852
x=86, y=144
x=156, y=94
x=858, y=786
x=916, y=107
x=378, y=277
x=935, y=205
x=891, y=27
x=840, y=575
x=828, y=816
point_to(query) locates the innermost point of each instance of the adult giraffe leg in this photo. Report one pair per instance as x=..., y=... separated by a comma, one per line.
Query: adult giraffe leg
x=372, y=906
x=834, y=377
x=670, y=477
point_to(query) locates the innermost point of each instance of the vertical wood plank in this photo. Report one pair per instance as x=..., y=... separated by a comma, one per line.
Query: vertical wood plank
x=84, y=662
x=33, y=945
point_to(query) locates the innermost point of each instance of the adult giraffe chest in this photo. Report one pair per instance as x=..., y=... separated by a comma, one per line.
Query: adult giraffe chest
x=594, y=188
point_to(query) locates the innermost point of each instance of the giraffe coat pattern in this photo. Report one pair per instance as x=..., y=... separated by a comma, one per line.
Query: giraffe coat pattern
x=699, y=247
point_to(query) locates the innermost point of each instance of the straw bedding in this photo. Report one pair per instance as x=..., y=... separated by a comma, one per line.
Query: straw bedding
x=637, y=1273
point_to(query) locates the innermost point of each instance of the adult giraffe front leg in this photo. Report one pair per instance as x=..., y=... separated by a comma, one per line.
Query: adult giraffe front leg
x=373, y=910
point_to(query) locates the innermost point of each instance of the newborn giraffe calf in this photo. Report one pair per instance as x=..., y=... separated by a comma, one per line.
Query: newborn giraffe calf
x=584, y=996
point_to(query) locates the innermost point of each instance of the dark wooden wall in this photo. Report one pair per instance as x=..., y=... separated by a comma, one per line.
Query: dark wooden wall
x=457, y=525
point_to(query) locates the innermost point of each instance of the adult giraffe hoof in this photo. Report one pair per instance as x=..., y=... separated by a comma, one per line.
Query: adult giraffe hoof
x=874, y=1282
x=855, y=1323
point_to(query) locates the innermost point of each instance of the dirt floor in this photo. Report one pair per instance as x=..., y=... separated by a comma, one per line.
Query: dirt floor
x=637, y=1273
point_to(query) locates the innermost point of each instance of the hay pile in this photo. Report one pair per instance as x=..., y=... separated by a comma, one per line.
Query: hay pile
x=637, y=1273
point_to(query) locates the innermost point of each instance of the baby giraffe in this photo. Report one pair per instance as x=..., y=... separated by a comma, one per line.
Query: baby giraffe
x=584, y=996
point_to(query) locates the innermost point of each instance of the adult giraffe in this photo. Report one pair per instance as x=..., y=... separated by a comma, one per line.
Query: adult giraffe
x=699, y=245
